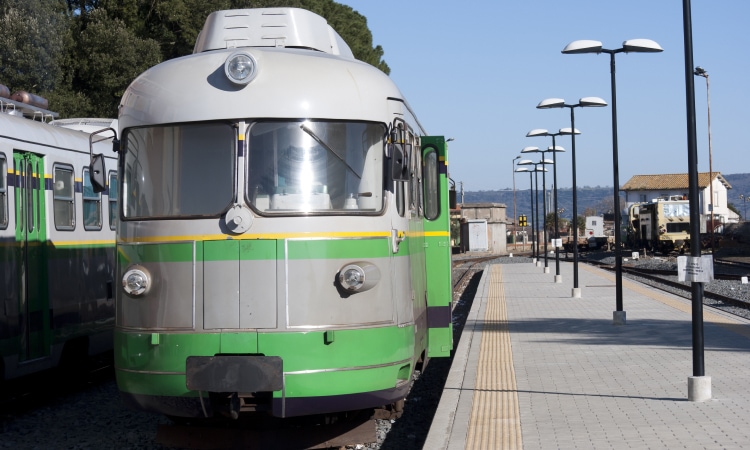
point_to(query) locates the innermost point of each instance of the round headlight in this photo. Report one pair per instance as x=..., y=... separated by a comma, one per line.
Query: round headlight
x=240, y=67
x=352, y=278
x=136, y=281
x=359, y=276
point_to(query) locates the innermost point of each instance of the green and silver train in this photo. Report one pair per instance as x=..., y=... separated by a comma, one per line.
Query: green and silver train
x=57, y=242
x=283, y=242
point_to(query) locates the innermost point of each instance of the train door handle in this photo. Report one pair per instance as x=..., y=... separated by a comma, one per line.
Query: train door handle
x=396, y=238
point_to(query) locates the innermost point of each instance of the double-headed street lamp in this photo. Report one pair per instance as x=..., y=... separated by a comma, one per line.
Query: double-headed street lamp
x=582, y=103
x=534, y=199
x=554, y=149
x=629, y=46
x=534, y=245
x=543, y=162
x=531, y=198
x=515, y=217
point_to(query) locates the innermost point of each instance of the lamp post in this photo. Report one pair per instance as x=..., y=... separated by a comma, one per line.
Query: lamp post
x=744, y=199
x=531, y=198
x=554, y=149
x=629, y=46
x=515, y=216
x=582, y=103
x=534, y=200
x=701, y=72
x=543, y=162
x=534, y=245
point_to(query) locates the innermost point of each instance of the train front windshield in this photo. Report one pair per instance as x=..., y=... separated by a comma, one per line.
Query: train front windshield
x=293, y=167
x=315, y=167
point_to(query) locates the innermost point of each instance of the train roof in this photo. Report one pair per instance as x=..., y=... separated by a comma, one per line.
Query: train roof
x=290, y=82
x=270, y=27
x=23, y=129
x=13, y=107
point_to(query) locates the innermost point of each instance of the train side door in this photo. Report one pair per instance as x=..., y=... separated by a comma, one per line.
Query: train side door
x=437, y=246
x=33, y=317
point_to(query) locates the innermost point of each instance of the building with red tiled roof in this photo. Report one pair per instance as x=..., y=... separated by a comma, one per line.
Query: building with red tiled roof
x=644, y=188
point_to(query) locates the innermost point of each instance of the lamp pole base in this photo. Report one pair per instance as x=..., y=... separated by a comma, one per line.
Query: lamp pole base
x=699, y=389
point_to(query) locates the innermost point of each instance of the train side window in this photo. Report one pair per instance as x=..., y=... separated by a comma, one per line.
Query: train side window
x=92, y=204
x=64, y=198
x=3, y=192
x=112, y=201
x=431, y=191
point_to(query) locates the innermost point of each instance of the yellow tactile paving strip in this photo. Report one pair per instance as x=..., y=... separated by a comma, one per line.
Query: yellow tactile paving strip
x=681, y=305
x=495, y=418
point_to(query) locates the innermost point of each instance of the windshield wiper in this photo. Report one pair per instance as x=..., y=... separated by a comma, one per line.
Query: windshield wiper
x=312, y=134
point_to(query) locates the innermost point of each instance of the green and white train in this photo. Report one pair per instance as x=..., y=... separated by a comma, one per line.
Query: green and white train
x=284, y=237
x=57, y=242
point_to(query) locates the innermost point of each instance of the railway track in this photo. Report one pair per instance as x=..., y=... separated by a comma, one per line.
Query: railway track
x=666, y=279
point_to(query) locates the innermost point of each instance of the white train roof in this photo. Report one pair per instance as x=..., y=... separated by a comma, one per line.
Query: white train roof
x=300, y=81
x=270, y=27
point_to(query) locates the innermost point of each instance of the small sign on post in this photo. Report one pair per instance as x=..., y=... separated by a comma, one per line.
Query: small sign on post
x=698, y=269
x=557, y=243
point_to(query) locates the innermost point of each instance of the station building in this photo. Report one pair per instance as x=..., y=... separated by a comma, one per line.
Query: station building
x=645, y=188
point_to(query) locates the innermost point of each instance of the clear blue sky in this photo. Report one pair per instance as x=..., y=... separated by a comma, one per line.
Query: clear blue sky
x=476, y=70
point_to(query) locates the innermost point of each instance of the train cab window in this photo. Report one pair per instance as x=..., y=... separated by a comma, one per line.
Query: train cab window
x=112, y=200
x=3, y=192
x=431, y=191
x=178, y=171
x=64, y=198
x=416, y=177
x=324, y=167
x=92, y=204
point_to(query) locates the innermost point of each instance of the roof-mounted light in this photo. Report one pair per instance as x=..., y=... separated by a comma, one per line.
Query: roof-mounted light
x=241, y=67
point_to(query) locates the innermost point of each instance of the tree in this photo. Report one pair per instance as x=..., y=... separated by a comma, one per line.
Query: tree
x=549, y=222
x=175, y=24
x=82, y=54
x=32, y=44
x=111, y=56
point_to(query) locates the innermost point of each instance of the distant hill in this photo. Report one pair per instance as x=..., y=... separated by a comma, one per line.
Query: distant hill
x=597, y=200
x=740, y=185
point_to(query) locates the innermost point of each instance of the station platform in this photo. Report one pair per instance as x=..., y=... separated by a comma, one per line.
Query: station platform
x=538, y=369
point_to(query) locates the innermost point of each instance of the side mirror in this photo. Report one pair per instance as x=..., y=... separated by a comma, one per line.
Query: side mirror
x=97, y=170
x=399, y=163
x=97, y=173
